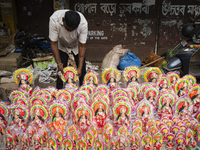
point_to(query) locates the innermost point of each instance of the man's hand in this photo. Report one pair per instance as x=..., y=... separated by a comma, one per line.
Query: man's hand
x=81, y=58
x=79, y=72
x=60, y=68
x=55, y=51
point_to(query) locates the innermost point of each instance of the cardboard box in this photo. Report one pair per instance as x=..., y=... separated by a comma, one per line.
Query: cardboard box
x=7, y=50
x=7, y=85
x=10, y=62
x=44, y=64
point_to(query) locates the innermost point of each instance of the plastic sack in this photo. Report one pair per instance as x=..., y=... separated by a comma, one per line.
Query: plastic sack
x=111, y=60
x=129, y=59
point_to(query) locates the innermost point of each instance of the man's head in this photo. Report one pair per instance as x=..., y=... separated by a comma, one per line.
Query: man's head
x=71, y=20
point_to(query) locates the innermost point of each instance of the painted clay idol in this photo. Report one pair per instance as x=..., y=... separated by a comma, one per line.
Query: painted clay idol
x=100, y=95
x=108, y=128
x=17, y=93
x=181, y=86
x=37, y=142
x=131, y=74
x=19, y=114
x=89, y=137
x=21, y=100
x=84, y=117
x=57, y=112
x=180, y=144
x=4, y=112
x=76, y=102
x=91, y=79
x=152, y=75
x=123, y=131
x=151, y=95
x=98, y=144
x=2, y=132
x=74, y=136
x=113, y=144
x=23, y=77
x=194, y=94
x=9, y=142
x=81, y=144
x=15, y=135
x=45, y=94
x=135, y=86
x=163, y=84
x=25, y=143
x=52, y=143
x=123, y=142
x=164, y=130
x=157, y=141
x=30, y=132
x=103, y=89
x=144, y=112
x=137, y=131
x=190, y=140
x=67, y=144
x=121, y=112
x=170, y=141
x=38, y=100
x=166, y=102
x=59, y=137
x=44, y=133
x=88, y=89
x=191, y=79
x=151, y=123
x=100, y=108
x=106, y=138
x=53, y=91
x=147, y=142
x=64, y=96
x=183, y=107
x=121, y=98
x=119, y=92
x=145, y=86
x=82, y=94
x=71, y=129
x=134, y=141
x=152, y=130
x=39, y=114
x=110, y=77
x=132, y=94
x=70, y=77
x=173, y=77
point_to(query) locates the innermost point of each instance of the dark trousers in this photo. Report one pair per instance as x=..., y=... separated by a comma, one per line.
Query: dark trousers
x=64, y=59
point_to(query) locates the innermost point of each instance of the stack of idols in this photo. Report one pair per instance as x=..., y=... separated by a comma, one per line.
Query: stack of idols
x=162, y=113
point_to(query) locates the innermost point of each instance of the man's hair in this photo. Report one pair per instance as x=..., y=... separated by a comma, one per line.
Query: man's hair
x=72, y=19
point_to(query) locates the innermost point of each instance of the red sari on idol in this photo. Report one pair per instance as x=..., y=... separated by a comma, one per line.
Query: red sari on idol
x=147, y=147
x=134, y=147
x=170, y=145
x=158, y=146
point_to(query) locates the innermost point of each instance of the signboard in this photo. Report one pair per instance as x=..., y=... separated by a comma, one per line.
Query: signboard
x=131, y=23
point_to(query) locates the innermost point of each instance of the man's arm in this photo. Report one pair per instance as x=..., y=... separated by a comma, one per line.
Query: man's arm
x=81, y=56
x=55, y=51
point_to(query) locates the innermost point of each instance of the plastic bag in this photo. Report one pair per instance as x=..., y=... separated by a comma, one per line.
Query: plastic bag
x=129, y=59
x=111, y=60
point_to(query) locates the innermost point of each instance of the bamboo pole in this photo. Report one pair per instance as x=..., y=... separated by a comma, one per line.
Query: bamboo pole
x=152, y=62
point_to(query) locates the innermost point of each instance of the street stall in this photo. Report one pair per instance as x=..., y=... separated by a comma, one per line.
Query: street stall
x=127, y=105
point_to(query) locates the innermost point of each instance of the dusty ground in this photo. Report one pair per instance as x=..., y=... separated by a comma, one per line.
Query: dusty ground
x=121, y=82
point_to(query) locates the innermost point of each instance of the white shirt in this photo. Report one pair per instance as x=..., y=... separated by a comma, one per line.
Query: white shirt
x=67, y=41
